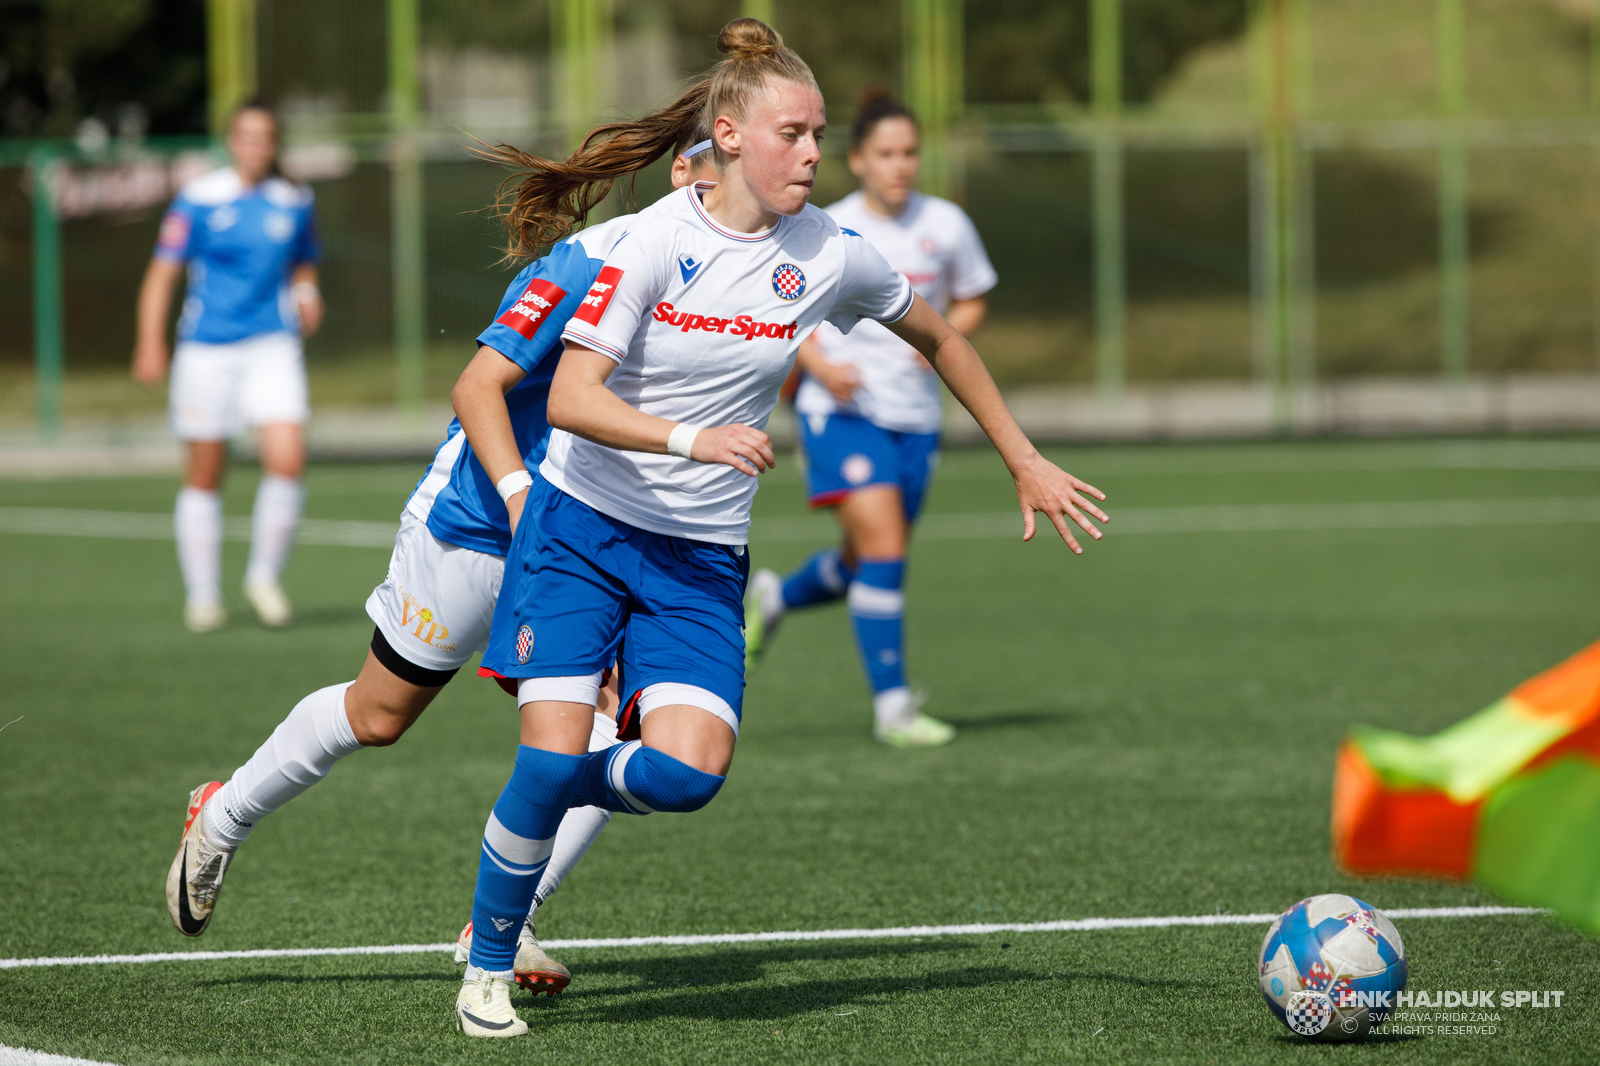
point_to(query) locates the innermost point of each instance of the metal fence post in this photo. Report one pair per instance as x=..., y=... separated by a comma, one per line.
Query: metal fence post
x=581, y=28
x=1110, y=268
x=47, y=318
x=230, y=58
x=1454, y=321
x=408, y=255
x=934, y=82
x=1280, y=258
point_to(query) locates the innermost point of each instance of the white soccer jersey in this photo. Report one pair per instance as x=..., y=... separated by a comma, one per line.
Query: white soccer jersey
x=934, y=244
x=704, y=324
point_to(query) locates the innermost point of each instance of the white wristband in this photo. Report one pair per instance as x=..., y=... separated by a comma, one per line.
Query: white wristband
x=301, y=291
x=513, y=483
x=681, y=439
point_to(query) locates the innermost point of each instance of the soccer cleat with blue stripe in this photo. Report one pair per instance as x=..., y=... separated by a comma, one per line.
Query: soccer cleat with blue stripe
x=763, y=610
x=483, y=1007
x=195, y=877
x=536, y=971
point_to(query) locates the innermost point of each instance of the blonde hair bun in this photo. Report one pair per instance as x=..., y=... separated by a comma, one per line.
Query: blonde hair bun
x=748, y=38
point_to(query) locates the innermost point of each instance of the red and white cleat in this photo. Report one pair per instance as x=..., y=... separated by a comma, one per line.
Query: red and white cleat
x=196, y=874
x=536, y=971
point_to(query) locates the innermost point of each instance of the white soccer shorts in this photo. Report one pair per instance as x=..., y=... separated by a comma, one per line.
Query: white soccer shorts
x=436, y=605
x=219, y=389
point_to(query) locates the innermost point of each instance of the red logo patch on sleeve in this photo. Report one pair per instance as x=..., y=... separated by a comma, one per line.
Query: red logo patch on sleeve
x=594, y=305
x=174, y=232
x=532, y=307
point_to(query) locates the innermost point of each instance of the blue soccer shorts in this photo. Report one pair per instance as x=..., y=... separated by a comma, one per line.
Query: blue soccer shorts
x=846, y=452
x=584, y=590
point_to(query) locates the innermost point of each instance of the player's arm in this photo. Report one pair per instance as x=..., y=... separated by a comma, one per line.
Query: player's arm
x=1041, y=485
x=307, y=296
x=479, y=398
x=840, y=379
x=150, y=354
x=581, y=404
x=965, y=316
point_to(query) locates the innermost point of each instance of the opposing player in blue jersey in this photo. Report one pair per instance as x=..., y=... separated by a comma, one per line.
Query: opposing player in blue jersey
x=433, y=610
x=870, y=410
x=631, y=548
x=249, y=241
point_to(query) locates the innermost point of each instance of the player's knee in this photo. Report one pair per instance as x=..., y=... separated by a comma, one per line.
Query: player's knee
x=379, y=730
x=656, y=781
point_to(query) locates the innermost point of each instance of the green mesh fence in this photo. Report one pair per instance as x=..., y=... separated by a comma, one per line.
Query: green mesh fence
x=1339, y=235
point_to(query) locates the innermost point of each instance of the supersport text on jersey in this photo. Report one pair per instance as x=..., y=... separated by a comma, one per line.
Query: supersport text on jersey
x=763, y=292
x=242, y=243
x=934, y=244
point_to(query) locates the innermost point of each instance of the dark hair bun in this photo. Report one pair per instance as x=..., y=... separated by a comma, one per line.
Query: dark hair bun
x=874, y=94
x=749, y=38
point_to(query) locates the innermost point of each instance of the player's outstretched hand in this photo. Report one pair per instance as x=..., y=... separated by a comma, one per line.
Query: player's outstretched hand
x=149, y=363
x=747, y=450
x=1044, y=486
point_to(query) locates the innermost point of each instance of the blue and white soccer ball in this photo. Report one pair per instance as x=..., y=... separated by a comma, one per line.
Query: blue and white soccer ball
x=1331, y=967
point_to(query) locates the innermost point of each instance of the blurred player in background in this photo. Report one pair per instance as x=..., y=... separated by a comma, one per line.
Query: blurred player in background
x=432, y=613
x=870, y=410
x=631, y=548
x=248, y=237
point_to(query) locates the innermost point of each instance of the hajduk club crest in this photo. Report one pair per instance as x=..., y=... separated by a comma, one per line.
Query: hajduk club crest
x=788, y=281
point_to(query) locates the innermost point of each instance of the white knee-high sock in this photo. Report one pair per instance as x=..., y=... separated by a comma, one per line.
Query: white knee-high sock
x=299, y=753
x=276, y=517
x=197, y=521
x=578, y=830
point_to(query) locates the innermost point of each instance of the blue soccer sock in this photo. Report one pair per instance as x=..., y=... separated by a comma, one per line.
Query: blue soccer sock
x=516, y=849
x=877, y=606
x=634, y=779
x=822, y=578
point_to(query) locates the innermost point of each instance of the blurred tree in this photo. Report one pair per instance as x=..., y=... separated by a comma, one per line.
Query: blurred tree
x=1033, y=51
x=135, y=65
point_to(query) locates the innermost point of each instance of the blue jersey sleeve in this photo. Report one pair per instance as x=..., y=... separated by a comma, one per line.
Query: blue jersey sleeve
x=538, y=303
x=308, y=246
x=177, y=231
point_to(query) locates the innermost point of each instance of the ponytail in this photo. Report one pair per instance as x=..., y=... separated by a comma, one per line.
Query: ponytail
x=753, y=53
x=545, y=202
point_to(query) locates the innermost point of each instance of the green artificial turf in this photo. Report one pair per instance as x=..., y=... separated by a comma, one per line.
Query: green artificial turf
x=1146, y=730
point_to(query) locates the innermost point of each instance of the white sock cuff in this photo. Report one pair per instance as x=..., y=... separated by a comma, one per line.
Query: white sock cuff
x=583, y=689
x=333, y=724
x=869, y=601
x=672, y=694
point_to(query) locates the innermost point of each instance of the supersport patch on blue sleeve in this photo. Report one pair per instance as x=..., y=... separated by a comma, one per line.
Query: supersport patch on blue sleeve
x=468, y=512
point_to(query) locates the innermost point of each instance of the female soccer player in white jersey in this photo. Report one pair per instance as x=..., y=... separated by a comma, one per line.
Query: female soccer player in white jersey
x=631, y=547
x=432, y=613
x=869, y=408
x=248, y=238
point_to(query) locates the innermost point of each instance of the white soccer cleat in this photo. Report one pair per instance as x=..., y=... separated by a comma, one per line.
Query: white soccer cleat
x=271, y=605
x=763, y=610
x=204, y=617
x=195, y=876
x=536, y=971
x=483, y=1008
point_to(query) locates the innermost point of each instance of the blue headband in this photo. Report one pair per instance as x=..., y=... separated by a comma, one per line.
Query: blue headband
x=695, y=149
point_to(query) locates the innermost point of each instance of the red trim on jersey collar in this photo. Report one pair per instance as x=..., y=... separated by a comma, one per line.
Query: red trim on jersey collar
x=694, y=198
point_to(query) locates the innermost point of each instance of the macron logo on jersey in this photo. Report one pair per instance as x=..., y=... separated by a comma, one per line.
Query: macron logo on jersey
x=688, y=266
x=594, y=305
x=532, y=307
x=740, y=326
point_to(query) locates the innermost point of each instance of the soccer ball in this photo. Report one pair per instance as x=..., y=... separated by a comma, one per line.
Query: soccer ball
x=1331, y=967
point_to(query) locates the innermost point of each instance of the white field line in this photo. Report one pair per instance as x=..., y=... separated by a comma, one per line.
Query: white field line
x=1005, y=525
x=1069, y=925
x=21, y=1056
